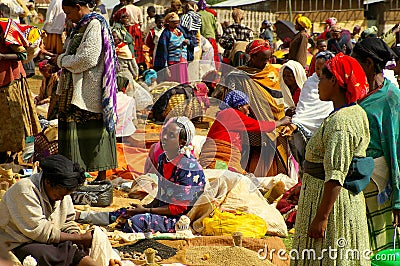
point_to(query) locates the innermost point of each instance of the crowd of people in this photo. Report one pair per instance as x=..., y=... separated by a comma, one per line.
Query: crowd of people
x=326, y=115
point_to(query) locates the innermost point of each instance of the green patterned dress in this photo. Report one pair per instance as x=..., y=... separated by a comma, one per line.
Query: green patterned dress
x=342, y=136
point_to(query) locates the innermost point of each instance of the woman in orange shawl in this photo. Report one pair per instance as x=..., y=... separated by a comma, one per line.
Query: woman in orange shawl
x=260, y=81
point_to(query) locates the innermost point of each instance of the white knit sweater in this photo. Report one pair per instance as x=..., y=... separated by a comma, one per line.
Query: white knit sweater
x=87, y=67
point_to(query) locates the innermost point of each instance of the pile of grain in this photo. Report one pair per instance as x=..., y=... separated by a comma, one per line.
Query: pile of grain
x=232, y=256
x=140, y=246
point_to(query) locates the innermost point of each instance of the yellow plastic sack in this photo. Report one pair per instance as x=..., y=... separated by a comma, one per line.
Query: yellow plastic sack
x=225, y=223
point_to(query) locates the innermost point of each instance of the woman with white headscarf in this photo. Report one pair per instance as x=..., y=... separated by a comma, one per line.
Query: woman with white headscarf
x=291, y=77
x=181, y=181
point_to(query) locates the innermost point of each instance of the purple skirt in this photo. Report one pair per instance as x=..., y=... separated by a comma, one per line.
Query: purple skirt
x=149, y=221
x=179, y=72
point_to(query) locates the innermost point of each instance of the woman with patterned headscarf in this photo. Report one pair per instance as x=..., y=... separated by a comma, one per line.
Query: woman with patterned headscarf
x=382, y=105
x=181, y=181
x=298, y=46
x=330, y=213
x=223, y=147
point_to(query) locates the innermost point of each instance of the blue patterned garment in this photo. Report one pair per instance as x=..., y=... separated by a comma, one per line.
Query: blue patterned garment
x=176, y=48
x=180, y=191
x=234, y=99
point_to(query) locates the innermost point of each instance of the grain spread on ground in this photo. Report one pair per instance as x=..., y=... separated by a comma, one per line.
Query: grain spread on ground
x=232, y=256
x=140, y=246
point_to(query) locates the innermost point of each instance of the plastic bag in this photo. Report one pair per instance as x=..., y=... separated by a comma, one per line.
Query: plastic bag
x=225, y=223
x=96, y=194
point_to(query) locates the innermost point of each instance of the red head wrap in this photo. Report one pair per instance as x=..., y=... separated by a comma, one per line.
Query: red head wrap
x=257, y=46
x=350, y=75
x=119, y=14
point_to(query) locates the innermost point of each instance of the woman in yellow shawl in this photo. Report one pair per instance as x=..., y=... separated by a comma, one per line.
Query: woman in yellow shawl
x=267, y=153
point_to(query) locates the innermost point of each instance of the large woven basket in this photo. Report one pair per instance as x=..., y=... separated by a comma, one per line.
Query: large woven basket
x=178, y=105
x=44, y=147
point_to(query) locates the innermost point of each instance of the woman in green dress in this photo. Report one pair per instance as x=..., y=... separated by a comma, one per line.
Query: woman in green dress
x=331, y=224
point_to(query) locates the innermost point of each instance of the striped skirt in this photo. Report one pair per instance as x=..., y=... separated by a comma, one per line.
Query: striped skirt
x=380, y=218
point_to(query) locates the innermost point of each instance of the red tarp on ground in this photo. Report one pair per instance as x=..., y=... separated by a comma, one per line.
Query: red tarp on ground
x=131, y=162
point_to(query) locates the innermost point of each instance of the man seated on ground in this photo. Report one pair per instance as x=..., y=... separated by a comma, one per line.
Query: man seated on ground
x=37, y=216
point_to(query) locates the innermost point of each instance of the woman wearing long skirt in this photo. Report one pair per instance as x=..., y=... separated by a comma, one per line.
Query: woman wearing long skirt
x=88, y=91
x=331, y=223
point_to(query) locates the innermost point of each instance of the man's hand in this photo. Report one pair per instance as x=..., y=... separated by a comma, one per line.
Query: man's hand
x=84, y=240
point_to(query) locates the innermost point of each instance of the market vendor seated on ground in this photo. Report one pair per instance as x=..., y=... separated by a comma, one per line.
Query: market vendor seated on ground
x=181, y=181
x=223, y=147
x=37, y=216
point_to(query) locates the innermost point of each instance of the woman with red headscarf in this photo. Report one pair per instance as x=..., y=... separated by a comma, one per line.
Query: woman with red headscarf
x=330, y=213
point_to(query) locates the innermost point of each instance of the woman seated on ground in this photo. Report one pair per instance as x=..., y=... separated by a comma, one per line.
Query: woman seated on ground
x=181, y=181
x=223, y=147
x=48, y=88
x=259, y=79
x=41, y=222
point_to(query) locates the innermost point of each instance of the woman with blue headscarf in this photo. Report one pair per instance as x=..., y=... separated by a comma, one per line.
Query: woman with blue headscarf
x=223, y=147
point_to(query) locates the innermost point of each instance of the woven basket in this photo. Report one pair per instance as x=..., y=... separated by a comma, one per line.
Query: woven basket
x=44, y=147
x=178, y=105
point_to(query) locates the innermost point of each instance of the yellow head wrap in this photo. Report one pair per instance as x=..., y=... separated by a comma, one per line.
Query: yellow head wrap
x=305, y=22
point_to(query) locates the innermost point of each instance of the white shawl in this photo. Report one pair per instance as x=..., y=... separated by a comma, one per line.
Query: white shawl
x=310, y=110
x=300, y=76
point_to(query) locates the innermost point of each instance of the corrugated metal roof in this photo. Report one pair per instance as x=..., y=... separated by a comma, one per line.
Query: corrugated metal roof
x=234, y=3
x=367, y=2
